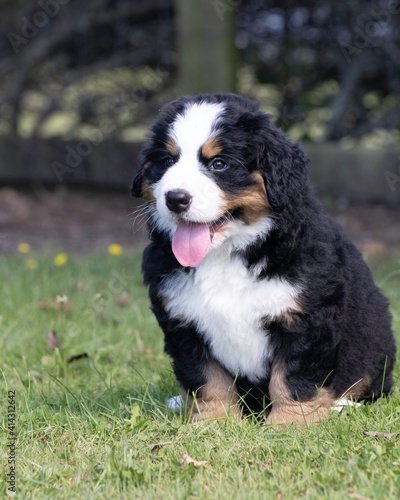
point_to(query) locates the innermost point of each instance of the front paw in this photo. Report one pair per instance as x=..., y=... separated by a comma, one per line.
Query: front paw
x=198, y=410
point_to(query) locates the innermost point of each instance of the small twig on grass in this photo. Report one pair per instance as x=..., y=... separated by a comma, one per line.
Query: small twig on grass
x=381, y=434
x=186, y=460
x=358, y=496
x=56, y=305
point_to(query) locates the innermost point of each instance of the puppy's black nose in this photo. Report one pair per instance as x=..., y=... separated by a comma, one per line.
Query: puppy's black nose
x=178, y=200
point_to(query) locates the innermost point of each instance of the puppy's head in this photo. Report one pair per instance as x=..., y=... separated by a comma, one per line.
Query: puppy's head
x=214, y=170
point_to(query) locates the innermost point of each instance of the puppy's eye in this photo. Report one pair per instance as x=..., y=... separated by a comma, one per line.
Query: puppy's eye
x=169, y=162
x=218, y=165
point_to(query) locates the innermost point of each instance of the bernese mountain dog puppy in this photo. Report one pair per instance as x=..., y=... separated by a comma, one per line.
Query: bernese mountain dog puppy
x=264, y=302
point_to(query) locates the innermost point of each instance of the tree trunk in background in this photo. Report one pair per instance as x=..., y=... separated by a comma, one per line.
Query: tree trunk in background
x=206, y=46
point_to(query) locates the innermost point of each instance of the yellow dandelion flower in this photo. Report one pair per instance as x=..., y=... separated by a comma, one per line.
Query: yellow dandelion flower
x=60, y=259
x=24, y=248
x=115, y=249
x=31, y=263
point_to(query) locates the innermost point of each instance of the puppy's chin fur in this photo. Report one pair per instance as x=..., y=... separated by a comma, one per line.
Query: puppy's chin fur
x=281, y=309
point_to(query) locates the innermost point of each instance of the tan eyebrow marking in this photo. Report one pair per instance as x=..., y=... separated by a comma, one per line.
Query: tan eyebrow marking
x=172, y=146
x=211, y=148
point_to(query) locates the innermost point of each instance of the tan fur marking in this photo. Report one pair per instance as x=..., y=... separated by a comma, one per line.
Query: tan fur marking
x=172, y=146
x=258, y=178
x=211, y=148
x=215, y=399
x=288, y=317
x=285, y=410
x=147, y=192
x=254, y=201
x=291, y=315
x=359, y=389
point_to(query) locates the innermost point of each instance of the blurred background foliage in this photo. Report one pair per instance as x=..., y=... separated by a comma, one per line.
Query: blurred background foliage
x=329, y=71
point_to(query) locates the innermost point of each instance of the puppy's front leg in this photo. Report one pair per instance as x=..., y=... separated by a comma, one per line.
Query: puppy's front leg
x=216, y=398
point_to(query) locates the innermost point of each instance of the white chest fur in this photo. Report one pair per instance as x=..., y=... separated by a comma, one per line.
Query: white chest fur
x=227, y=304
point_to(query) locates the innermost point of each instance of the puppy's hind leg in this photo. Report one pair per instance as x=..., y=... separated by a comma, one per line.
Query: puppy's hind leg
x=286, y=410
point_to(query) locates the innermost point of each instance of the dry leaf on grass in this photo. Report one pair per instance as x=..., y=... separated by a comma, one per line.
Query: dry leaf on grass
x=155, y=450
x=358, y=496
x=186, y=460
x=52, y=340
x=77, y=356
x=123, y=299
x=381, y=434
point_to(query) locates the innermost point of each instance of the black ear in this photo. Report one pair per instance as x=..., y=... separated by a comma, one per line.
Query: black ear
x=137, y=185
x=283, y=166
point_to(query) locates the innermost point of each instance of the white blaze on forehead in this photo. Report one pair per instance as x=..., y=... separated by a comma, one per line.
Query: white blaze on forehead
x=194, y=127
x=190, y=130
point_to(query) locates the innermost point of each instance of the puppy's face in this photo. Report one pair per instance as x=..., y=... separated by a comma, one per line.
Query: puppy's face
x=200, y=175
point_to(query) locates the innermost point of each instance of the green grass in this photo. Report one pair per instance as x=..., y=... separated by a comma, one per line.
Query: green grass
x=98, y=427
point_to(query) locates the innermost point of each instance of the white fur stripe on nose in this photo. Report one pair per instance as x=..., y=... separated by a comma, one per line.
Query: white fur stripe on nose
x=190, y=131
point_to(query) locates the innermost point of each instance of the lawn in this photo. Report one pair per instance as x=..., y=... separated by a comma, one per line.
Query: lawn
x=91, y=414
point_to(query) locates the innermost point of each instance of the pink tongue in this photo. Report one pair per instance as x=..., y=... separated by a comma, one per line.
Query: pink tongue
x=190, y=243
